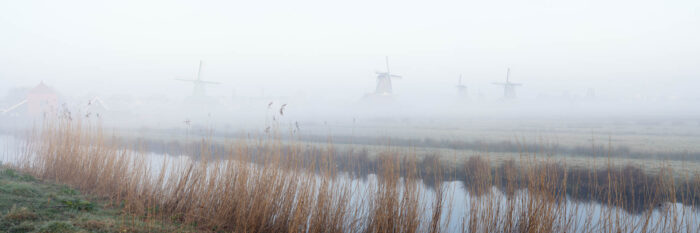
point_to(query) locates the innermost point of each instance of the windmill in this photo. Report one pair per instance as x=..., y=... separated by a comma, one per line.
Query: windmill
x=198, y=92
x=508, y=87
x=590, y=93
x=461, y=88
x=384, y=81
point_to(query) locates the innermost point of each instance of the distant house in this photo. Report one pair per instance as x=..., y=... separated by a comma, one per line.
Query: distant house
x=41, y=99
x=95, y=106
x=37, y=101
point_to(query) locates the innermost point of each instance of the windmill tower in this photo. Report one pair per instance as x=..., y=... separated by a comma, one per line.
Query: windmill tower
x=384, y=81
x=590, y=93
x=198, y=92
x=508, y=87
x=461, y=88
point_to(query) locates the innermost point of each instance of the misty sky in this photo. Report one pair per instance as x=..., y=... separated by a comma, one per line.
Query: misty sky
x=331, y=49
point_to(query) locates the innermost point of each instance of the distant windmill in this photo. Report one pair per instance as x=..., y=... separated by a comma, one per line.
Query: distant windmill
x=508, y=87
x=590, y=93
x=461, y=88
x=198, y=91
x=384, y=81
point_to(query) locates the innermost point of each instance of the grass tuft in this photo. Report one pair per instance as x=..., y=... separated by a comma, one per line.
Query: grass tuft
x=17, y=215
x=58, y=227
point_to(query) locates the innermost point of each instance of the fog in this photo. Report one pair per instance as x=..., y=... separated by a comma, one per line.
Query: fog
x=575, y=59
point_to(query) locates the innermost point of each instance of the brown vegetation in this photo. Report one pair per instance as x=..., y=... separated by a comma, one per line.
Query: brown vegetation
x=265, y=186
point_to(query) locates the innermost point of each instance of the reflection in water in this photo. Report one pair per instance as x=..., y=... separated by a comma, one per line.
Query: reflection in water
x=472, y=189
x=638, y=190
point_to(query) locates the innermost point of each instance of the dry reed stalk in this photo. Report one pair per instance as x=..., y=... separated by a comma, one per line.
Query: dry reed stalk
x=281, y=189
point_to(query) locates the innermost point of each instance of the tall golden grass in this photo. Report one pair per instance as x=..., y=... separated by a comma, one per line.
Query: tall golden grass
x=276, y=190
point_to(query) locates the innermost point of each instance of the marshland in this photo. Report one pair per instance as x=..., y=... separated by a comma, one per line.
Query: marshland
x=365, y=116
x=277, y=181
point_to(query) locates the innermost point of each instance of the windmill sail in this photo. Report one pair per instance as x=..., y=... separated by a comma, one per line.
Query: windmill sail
x=461, y=88
x=198, y=91
x=384, y=86
x=508, y=87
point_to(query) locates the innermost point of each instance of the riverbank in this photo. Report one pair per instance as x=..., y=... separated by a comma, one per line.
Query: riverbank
x=269, y=186
x=28, y=204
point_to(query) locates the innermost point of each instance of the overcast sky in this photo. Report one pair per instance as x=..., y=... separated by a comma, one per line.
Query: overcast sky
x=331, y=49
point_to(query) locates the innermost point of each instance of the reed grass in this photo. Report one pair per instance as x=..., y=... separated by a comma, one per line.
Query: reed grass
x=265, y=186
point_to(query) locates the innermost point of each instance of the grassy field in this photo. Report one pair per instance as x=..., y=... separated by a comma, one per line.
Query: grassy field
x=28, y=204
x=177, y=144
x=561, y=137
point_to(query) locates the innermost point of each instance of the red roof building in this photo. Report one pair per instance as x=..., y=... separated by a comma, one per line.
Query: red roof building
x=41, y=99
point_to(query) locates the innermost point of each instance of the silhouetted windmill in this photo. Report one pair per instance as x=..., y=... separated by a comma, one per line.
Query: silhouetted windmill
x=508, y=87
x=198, y=91
x=384, y=81
x=461, y=88
x=590, y=93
